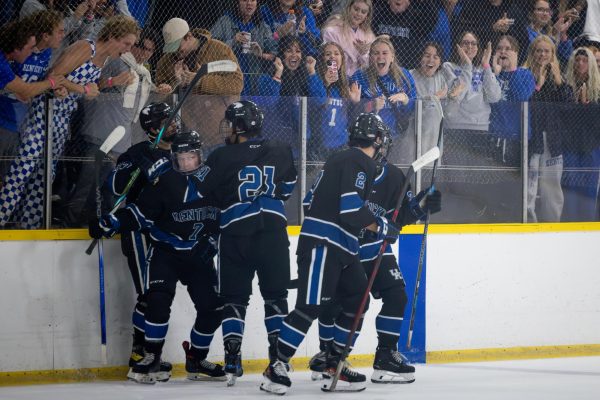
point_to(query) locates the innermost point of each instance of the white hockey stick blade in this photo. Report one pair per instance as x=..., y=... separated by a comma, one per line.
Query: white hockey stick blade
x=221, y=66
x=429, y=157
x=115, y=136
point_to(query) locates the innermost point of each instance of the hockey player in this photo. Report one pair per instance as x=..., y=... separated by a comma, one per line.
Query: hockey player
x=251, y=178
x=389, y=365
x=134, y=244
x=181, y=249
x=328, y=264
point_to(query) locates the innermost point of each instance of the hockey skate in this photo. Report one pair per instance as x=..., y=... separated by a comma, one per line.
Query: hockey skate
x=349, y=380
x=201, y=369
x=317, y=365
x=276, y=379
x=137, y=354
x=233, y=361
x=150, y=370
x=390, y=366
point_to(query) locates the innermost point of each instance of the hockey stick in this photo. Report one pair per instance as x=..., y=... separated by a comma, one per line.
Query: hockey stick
x=413, y=311
x=209, y=68
x=425, y=159
x=115, y=136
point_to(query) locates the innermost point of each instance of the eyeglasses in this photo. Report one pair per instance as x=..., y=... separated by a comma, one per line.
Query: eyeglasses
x=543, y=10
x=469, y=43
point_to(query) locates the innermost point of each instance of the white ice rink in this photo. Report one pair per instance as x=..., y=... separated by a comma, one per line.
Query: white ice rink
x=548, y=379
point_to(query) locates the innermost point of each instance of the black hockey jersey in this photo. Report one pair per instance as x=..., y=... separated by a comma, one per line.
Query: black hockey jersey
x=382, y=202
x=171, y=210
x=126, y=165
x=335, y=207
x=249, y=181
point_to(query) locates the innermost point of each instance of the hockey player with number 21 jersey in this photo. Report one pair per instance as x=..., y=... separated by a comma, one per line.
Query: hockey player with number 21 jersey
x=250, y=179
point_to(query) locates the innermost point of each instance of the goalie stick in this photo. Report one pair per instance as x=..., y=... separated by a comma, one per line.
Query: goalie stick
x=209, y=68
x=115, y=136
x=425, y=159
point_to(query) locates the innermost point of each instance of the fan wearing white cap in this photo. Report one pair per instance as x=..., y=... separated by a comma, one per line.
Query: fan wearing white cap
x=185, y=51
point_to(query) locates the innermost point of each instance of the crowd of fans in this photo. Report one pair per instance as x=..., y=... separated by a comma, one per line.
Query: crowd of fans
x=96, y=63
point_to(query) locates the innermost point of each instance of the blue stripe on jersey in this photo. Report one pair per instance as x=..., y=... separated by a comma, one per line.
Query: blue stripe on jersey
x=340, y=336
x=325, y=331
x=156, y=332
x=381, y=175
x=240, y=211
x=173, y=240
x=201, y=340
x=315, y=275
x=331, y=233
x=139, y=321
x=388, y=325
x=191, y=193
x=370, y=251
x=232, y=327
x=350, y=202
x=290, y=336
x=287, y=188
x=141, y=219
x=273, y=323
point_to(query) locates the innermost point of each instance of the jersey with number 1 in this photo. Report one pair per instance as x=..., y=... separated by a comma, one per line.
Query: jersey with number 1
x=250, y=182
x=336, y=208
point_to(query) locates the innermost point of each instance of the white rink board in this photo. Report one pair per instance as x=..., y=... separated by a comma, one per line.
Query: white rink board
x=483, y=291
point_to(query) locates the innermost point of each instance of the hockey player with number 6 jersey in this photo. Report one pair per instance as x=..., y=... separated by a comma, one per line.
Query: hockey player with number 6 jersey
x=329, y=267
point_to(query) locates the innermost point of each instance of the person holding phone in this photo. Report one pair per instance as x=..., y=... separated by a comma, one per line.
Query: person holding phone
x=352, y=31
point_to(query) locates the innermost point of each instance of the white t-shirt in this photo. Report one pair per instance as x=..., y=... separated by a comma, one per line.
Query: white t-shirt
x=592, y=21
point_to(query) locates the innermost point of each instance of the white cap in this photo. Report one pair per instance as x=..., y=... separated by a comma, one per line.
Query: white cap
x=173, y=31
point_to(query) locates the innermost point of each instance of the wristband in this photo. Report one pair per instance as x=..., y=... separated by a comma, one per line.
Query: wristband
x=485, y=66
x=86, y=88
x=109, y=81
x=52, y=83
x=277, y=79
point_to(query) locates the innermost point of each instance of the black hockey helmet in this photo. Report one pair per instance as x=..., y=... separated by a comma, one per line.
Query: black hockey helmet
x=244, y=117
x=366, y=129
x=152, y=117
x=186, y=152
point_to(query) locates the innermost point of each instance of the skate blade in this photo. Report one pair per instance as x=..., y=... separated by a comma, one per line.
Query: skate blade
x=343, y=386
x=206, y=378
x=146, y=379
x=162, y=376
x=230, y=378
x=316, y=376
x=274, y=388
x=392, y=377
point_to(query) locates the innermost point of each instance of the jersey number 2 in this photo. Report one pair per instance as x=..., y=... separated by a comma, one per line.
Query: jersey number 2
x=256, y=182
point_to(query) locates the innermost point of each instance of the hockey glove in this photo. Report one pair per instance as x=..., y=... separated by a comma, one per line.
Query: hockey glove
x=107, y=226
x=433, y=202
x=148, y=161
x=387, y=231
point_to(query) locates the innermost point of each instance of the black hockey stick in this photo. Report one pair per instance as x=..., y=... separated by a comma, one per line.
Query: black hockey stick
x=215, y=66
x=115, y=136
x=425, y=159
x=413, y=310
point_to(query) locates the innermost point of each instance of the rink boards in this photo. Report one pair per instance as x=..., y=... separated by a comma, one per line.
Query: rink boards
x=488, y=292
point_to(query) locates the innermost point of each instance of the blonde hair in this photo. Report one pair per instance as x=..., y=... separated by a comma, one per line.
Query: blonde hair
x=322, y=69
x=530, y=62
x=118, y=27
x=593, y=78
x=395, y=71
x=366, y=24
